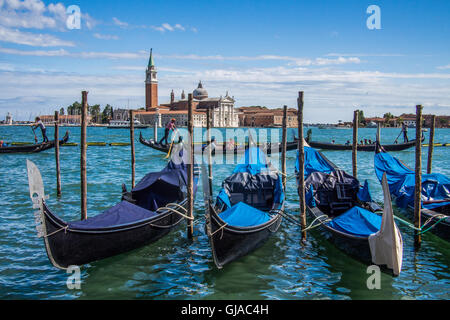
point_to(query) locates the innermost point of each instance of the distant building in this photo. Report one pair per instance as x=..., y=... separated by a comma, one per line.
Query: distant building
x=223, y=114
x=265, y=117
x=64, y=119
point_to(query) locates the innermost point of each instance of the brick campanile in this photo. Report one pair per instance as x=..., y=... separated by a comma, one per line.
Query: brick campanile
x=151, y=85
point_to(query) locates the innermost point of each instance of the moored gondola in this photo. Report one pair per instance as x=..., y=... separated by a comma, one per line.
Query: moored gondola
x=362, y=147
x=435, y=192
x=268, y=148
x=34, y=148
x=145, y=214
x=248, y=208
x=345, y=214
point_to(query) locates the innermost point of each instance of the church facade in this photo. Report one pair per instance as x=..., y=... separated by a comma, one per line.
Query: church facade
x=223, y=112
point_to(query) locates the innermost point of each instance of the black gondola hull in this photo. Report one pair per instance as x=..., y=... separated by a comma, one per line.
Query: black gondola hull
x=356, y=247
x=230, y=243
x=366, y=147
x=67, y=247
x=199, y=150
x=34, y=148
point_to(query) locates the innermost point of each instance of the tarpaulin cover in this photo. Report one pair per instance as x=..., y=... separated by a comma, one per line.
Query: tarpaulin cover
x=364, y=193
x=254, y=182
x=122, y=213
x=357, y=221
x=401, y=182
x=313, y=162
x=155, y=190
x=243, y=215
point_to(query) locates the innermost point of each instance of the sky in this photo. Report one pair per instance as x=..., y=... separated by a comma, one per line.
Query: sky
x=261, y=52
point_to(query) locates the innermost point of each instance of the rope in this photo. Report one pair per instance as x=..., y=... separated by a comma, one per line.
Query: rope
x=175, y=211
x=311, y=226
x=176, y=205
x=428, y=229
x=63, y=228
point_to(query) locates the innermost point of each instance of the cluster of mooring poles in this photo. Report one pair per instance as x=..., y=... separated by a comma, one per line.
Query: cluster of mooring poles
x=300, y=150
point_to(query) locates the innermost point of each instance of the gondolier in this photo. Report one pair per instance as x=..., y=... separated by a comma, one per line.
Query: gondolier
x=169, y=126
x=405, y=132
x=40, y=124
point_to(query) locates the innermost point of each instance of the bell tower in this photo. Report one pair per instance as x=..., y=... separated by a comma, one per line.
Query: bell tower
x=151, y=84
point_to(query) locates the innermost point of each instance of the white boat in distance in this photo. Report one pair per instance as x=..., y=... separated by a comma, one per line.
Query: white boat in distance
x=122, y=124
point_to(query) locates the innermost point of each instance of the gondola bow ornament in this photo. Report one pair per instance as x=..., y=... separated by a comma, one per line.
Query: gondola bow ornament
x=386, y=245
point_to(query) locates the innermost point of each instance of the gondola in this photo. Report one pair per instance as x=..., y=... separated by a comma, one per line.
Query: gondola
x=248, y=208
x=199, y=149
x=33, y=148
x=145, y=214
x=435, y=192
x=362, y=147
x=345, y=214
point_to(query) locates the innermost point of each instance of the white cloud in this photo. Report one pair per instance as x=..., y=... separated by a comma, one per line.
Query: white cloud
x=105, y=36
x=32, y=39
x=167, y=27
x=444, y=67
x=119, y=23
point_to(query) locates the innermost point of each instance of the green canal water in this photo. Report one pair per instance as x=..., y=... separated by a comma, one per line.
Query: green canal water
x=175, y=268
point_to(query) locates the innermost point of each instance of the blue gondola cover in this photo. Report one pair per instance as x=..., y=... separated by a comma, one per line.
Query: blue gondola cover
x=314, y=162
x=401, y=182
x=123, y=213
x=243, y=215
x=357, y=221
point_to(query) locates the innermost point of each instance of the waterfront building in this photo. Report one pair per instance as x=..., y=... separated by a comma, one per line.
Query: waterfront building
x=264, y=117
x=223, y=115
x=9, y=119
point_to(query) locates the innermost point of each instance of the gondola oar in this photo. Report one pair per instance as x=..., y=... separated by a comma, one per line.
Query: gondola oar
x=171, y=144
x=34, y=132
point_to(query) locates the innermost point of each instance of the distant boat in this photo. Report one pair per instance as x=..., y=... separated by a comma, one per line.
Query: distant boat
x=123, y=124
x=371, y=124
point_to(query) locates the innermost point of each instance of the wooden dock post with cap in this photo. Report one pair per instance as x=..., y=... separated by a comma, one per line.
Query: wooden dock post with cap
x=190, y=169
x=355, y=143
x=133, y=159
x=284, y=146
x=418, y=180
x=83, y=145
x=301, y=173
x=155, y=132
x=58, y=168
x=431, y=144
x=208, y=138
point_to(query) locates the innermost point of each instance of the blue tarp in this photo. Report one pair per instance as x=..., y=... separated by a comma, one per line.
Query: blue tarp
x=122, y=213
x=243, y=215
x=357, y=221
x=254, y=161
x=313, y=162
x=401, y=182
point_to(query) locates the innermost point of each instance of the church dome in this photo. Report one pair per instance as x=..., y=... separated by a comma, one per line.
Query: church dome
x=200, y=93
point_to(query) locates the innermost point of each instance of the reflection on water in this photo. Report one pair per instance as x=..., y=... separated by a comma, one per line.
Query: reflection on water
x=175, y=268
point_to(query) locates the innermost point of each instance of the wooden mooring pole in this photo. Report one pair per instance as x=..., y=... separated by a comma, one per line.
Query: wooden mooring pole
x=190, y=168
x=431, y=144
x=301, y=177
x=83, y=145
x=208, y=138
x=355, y=143
x=284, y=146
x=133, y=159
x=418, y=181
x=58, y=168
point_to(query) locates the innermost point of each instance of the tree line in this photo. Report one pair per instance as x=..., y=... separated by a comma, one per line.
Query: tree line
x=94, y=111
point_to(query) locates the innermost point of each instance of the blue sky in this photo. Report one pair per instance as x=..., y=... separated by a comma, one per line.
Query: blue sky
x=261, y=52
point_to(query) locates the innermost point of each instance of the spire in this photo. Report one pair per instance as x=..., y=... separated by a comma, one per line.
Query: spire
x=200, y=84
x=150, y=60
